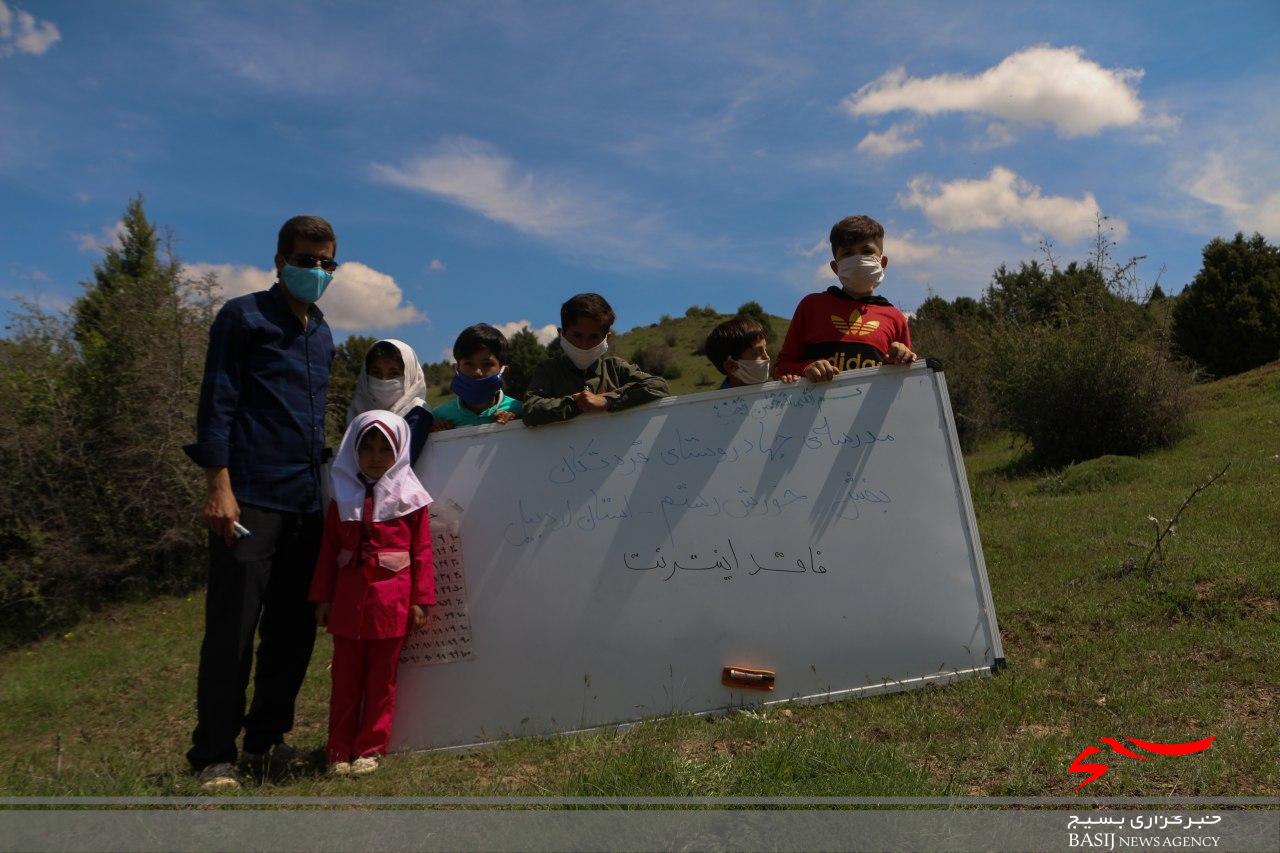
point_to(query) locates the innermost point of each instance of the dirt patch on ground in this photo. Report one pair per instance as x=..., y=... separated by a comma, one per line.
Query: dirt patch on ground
x=1254, y=703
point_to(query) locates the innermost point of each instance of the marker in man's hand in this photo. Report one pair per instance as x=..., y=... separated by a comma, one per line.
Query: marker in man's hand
x=241, y=530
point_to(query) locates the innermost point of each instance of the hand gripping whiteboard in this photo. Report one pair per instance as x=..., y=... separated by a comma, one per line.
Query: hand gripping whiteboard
x=614, y=565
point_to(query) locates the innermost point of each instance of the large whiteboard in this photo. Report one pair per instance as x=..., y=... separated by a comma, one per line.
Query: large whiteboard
x=614, y=564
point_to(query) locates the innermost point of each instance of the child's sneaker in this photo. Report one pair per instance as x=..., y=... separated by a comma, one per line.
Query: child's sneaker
x=365, y=764
x=217, y=777
x=340, y=768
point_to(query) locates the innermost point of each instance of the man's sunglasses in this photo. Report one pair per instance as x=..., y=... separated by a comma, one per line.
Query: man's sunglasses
x=313, y=261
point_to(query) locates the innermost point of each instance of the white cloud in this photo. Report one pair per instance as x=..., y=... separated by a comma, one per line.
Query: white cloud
x=436, y=265
x=110, y=237
x=1253, y=208
x=583, y=220
x=360, y=297
x=997, y=134
x=1003, y=199
x=474, y=175
x=1038, y=85
x=893, y=141
x=545, y=335
x=20, y=32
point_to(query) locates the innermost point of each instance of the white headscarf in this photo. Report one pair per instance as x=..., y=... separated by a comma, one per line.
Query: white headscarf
x=413, y=391
x=397, y=492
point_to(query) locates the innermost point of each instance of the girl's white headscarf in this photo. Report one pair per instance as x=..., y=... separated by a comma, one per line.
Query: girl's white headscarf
x=397, y=492
x=413, y=392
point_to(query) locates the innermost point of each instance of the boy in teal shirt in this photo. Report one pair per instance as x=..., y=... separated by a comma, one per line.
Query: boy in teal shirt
x=481, y=356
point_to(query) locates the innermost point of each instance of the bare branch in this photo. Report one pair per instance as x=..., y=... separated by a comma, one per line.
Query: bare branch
x=1162, y=534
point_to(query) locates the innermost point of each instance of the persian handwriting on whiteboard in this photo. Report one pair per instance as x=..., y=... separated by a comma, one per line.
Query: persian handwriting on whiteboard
x=726, y=562
x=446, y=638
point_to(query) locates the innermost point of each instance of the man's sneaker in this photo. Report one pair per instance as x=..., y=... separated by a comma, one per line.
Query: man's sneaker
x=217, y=777
x=280, y=761
x=340, y=768
x=285, y=759
x=365, y=764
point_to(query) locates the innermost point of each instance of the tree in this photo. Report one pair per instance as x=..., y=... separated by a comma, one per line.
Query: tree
x=110, y=390
x=523, y=355
x=1036, y=294
x=1228, y=318
x=348, y=361
x=140, y=328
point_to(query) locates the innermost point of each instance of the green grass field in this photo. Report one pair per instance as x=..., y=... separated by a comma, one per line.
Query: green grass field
x=1191, y=651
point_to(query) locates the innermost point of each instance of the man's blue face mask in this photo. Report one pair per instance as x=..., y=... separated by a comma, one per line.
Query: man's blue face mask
x=306, y=284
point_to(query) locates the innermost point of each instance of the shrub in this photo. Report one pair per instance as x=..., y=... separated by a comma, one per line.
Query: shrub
x=958, y=335
x=657, y=360
x=1084, y=389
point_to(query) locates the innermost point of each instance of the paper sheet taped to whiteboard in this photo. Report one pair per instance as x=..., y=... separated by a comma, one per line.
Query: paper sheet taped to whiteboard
x=446, y=637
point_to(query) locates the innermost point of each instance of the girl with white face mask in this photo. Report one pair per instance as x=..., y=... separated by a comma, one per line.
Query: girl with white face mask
x=392, y=380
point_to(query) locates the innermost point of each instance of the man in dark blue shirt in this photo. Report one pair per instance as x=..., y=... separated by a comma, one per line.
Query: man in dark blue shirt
x=260, y=439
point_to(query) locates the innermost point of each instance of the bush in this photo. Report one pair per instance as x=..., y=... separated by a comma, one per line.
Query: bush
x=1084, y=389
x=959, y=336
x=657, y=360
x=1228, y=318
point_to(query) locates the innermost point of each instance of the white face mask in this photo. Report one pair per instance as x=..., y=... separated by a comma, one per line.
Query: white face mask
x=385, y=392
x=752, y=372
x=860, y=274
x=584, y=358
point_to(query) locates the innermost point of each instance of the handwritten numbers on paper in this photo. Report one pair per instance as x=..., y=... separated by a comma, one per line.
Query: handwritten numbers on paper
x=446, y=638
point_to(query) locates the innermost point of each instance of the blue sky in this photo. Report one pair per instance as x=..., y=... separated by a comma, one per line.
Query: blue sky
x=483, y=161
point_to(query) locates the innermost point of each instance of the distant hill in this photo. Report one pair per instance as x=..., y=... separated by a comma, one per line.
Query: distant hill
x=683, y=335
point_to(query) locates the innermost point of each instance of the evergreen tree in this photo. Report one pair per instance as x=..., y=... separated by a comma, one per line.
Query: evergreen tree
x=348, y=360
x=523, y=355
x=140, y=329
x=1228, y=318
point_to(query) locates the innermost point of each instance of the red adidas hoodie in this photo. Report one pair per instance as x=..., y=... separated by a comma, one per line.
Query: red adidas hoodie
x=850, y=333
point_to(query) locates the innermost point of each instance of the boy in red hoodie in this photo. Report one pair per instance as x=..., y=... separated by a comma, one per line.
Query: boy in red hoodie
x=373, y=582
x=847, y=327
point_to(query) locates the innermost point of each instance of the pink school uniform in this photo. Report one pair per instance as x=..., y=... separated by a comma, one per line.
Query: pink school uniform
x=375, y=563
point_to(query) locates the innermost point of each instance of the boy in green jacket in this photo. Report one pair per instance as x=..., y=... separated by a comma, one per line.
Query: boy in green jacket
x=584, y=378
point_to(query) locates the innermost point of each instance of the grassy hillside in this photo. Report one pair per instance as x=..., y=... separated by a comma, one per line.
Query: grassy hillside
x=1093, y=651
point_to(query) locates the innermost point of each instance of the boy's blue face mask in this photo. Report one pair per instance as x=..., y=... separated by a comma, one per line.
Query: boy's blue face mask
x=474, y=392
x=306, y=284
